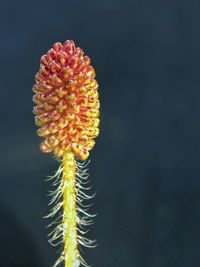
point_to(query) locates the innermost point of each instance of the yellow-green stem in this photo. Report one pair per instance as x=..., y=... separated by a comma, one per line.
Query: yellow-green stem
x=71, y=254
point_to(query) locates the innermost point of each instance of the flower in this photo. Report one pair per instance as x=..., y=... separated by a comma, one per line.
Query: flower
x=67, y=101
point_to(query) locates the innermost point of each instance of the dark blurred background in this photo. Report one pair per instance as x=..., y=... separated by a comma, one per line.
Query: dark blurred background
x=145, y=165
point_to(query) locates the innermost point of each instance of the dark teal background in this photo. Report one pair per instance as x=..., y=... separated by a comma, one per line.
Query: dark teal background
x=146, y=163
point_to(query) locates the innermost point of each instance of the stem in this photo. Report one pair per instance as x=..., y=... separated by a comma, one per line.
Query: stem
x=71, y=254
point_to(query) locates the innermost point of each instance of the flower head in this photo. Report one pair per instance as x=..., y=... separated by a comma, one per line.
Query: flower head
x=67, y=104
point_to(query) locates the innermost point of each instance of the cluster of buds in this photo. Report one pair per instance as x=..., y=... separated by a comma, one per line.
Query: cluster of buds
x=67, y=103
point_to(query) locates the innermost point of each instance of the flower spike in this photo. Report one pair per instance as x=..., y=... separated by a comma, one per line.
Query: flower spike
x=67, y=114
